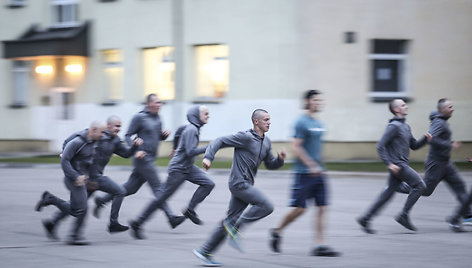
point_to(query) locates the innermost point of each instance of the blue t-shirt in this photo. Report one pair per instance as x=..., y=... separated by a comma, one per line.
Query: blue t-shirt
x=310, y=131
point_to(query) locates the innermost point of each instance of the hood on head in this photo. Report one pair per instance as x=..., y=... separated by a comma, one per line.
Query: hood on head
x=193, y=116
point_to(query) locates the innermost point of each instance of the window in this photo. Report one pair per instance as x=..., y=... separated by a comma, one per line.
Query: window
x=158, y=70
x=64, y=13
x=21, y=74
x=113, y=72
x=212, y=71
x=62, y=99
x=388, y=69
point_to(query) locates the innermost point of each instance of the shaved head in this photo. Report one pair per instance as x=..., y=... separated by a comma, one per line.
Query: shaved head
x=113, y=125
x=95, y=131
x=394, y=104
x=445, y=107
x=96, y=124
x=257, y=114
x=442, y=103
x=113, y=118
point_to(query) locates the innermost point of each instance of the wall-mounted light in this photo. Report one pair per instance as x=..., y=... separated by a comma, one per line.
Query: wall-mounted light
x=43, y=69
x=74, y=68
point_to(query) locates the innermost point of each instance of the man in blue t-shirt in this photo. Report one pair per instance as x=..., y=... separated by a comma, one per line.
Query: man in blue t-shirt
x=310, y=181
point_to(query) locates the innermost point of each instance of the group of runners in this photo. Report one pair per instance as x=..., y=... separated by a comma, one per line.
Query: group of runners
x=87, y=152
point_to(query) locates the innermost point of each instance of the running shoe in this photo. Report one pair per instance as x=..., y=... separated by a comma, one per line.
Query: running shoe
x=117, y=228
x=75, y=240
x=49, y=227
x=44, y=201
x=175, y=221
x=274, y=242
x=192, y=215
x=136, y=230
x=467, y=221
x=404, y=220
x=454, y=224
x=205, y=258
x=365, y=225
x=325, y=251
x=98, y=206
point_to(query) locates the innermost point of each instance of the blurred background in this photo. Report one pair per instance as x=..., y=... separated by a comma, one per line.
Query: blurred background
x=66, y=63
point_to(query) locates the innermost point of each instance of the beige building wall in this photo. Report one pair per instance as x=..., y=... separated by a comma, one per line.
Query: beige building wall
x=277, y=49
x=438, y=62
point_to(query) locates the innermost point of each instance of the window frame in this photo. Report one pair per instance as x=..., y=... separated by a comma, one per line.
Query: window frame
x=58, y=15
x=20, y=90
x=107, y=86
x=210, y=99
x=402, y=58
x=166, y=56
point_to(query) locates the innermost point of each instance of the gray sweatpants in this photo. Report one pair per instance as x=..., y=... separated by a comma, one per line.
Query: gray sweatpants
x=242, y=195
x=106, y=185
x=437, y=172
x=174, y=180
x=408, y=175
x=144, y=171
x=77, y=206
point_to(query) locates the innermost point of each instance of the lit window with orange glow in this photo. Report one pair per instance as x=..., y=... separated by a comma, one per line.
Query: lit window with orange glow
x=158, y=71
x=212, y=71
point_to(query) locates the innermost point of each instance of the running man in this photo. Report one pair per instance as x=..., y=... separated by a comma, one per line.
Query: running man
x=394, y=150
x=251, y=148
x=147, y=126
x=108, y=145
x=76, y=163
x=438, y=162
x=182, y=168
x=310, y=181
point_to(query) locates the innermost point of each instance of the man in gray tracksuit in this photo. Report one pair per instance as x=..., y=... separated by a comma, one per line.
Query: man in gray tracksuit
x=251, y=148
x=147, y=126
x=438, y=162
x=394, y=150
x=181, y=168
x=76, y=162
x=108, y=145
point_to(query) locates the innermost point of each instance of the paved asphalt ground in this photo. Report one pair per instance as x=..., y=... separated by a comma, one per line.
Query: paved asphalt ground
x=23, y=242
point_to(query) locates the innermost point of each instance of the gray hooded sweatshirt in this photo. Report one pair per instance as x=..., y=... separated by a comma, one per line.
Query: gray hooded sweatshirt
x=440, y=144
x=77, y=157
x=148, y=127
x=394, y=146
x=250, y=150
x=188, y=141
x=106, y=147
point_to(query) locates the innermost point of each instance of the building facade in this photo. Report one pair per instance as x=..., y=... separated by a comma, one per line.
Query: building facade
x=68, y=62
